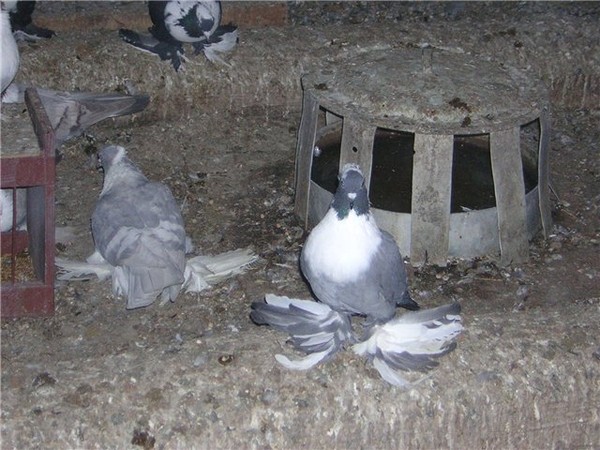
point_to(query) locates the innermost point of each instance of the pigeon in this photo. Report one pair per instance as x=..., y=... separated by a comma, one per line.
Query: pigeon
x=10, y=53
x=350, y=263
x=355, y=269
x=138, y=229
x=140, y=240
x=23, y=28
x=13, y=214
x=184, y=22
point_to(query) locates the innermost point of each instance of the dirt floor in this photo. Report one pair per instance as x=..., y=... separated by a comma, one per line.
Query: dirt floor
x=199, y=374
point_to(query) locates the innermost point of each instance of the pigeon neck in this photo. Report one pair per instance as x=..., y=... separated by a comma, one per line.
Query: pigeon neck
x=343, y=203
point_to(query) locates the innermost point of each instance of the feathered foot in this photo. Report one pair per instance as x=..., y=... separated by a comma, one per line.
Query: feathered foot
x=149, y=44
x=314, y=328
x=222, y=41
x=410, y=341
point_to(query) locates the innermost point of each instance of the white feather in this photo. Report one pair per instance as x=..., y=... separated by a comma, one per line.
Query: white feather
x=202, y=271
x=304, y=363
x=78, y=271
x=329, y=251
x=226, y=44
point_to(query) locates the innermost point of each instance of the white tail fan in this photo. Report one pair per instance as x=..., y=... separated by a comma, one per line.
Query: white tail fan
x=200, y=271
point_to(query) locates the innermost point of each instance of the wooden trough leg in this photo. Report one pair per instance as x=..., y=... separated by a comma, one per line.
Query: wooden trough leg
x=357, y=147
x=509, y=188
x=304, y=154
x=431, y=195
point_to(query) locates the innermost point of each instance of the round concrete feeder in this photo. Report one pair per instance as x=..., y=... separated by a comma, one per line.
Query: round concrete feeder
x=432, y=131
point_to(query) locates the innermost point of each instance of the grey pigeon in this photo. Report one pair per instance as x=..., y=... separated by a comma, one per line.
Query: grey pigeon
x=138, y=229
x=352, y=265
x=140, y=240
x=355, y=269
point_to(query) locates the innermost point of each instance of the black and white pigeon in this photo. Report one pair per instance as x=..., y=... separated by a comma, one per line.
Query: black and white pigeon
x=140, y=240
x=355, y=269
x=184, y=22
x=23, y=28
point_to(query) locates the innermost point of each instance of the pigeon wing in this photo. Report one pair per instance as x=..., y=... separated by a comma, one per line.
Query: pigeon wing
x=71, y=113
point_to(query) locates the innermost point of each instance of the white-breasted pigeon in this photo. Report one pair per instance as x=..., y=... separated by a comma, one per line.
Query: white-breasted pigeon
x=355, y=269
x=140, y=240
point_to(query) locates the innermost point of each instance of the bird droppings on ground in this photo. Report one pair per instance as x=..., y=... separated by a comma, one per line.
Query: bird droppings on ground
x=199, y=374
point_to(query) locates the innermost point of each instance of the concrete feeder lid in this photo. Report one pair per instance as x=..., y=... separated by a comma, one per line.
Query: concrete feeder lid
x=428, y=91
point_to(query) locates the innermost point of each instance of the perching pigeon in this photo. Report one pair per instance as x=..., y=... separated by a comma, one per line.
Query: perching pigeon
x=354, y=268
x=10, y=53
x=178, y=22
x=140, y=240
x=20, y=12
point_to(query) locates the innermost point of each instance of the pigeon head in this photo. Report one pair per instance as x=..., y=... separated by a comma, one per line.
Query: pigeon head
x=351, y=194
x=110, y=155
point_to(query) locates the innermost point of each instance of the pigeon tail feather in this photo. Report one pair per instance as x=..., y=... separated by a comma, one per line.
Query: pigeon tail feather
x=202, y=271
x=71, y=113
x=73, y=270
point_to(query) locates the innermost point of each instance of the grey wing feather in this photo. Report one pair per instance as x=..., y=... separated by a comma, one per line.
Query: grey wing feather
x=394, y=282
x=71, y=113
